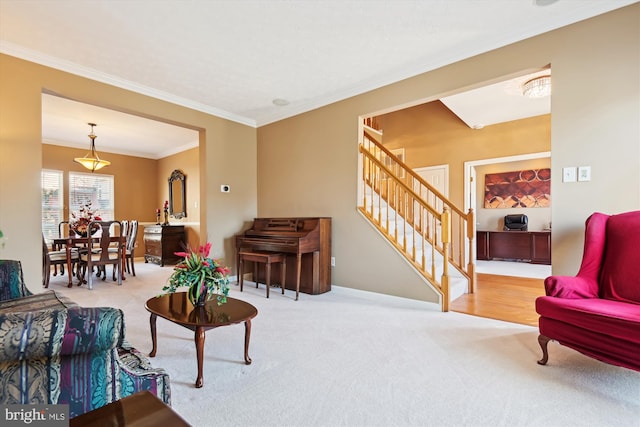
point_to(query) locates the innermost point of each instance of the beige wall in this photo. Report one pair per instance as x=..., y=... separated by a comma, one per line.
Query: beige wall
x=307, y=164
x=227, y=155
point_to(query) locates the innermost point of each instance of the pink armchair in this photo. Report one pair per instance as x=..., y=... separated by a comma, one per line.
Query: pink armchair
x=597, y=312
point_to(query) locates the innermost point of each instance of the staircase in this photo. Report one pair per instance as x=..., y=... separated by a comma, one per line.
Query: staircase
x=423, y=226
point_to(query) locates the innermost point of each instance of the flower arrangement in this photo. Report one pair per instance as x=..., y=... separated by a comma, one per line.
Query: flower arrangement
x=79, y=221
x=204, y=276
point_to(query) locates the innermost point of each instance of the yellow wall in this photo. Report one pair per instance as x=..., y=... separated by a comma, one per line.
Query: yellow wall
x=140, y=185
x=133, y=188
x=227, y=155
x=432, y=135
x=188, y=163
x=307, y=163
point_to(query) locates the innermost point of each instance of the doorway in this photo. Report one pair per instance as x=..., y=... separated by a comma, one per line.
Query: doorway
x=503, y=268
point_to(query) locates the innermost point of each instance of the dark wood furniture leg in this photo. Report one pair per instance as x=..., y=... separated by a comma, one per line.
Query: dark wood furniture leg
x=267, y=268
x=67, y=248
x=284, y=273
x=299, y=266
x=247, y=336
x=240, y=271
x=543, y=341
x=152, y=322
x=199, y=338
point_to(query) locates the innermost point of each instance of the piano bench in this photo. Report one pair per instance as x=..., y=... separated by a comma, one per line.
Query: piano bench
x=266, y=258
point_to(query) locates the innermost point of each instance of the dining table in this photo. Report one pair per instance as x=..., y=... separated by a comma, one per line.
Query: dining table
x=71, y=242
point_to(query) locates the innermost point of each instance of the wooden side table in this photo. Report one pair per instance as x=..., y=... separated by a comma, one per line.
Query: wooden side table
x=176, y=308
x=142, y=409
x=266, y=258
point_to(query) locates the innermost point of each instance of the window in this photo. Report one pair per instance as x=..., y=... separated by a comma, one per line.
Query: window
x=52, y=202
x=92, y=188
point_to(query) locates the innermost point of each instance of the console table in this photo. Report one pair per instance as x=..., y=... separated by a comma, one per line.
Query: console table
x=161, y=242
x=530, y=246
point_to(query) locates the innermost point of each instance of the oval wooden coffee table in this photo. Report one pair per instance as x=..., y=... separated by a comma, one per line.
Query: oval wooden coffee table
x=176, y=308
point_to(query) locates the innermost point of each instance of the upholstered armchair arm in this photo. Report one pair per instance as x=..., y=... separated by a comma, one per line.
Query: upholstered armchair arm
x=136, y=373
x=571, y=287
x=11, y=280
x=75, y=356
x=47, y=333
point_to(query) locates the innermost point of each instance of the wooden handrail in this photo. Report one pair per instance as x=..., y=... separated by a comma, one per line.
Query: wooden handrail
x=397, y=195
x=399, y=182
x=414, y=175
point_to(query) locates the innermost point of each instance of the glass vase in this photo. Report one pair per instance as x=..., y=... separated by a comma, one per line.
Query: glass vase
x=195, y=299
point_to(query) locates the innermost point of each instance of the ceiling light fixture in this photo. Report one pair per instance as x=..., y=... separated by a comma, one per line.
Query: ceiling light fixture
x=280, y=102
x=538, y=87
x=91, y=160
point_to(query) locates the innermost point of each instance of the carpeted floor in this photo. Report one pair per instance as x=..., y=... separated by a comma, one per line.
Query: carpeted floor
x=351, y=358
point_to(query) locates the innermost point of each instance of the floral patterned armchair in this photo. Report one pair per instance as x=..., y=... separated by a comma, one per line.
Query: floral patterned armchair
x=53, y=351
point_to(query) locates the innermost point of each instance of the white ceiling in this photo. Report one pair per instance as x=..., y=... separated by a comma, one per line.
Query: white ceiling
x=233, y=58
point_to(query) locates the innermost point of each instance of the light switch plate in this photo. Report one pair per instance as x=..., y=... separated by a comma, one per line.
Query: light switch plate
x=584, y=173
x=569, y=174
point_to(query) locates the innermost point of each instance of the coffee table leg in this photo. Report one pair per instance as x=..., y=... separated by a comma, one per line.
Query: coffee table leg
x=152, y=322
x=247, y=335
x=200, y=333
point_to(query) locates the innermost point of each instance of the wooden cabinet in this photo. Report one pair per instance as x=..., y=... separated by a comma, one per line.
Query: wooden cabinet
x=541, y=247
x=161, y=242
x=530, y=246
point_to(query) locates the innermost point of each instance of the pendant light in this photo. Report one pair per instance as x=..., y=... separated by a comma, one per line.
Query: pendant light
x=91, y=160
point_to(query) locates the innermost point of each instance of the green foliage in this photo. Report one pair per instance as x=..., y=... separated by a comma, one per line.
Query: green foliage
x=201, y=274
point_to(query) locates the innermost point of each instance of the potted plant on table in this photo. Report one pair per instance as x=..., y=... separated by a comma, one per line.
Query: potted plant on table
x=204, y=276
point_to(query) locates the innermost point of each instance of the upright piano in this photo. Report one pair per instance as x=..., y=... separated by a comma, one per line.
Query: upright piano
x=307, y=243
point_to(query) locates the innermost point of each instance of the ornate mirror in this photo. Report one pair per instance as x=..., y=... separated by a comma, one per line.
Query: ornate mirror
x=178, y=194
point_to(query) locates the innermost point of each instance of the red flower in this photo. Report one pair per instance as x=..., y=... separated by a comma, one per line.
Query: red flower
x=204, y=250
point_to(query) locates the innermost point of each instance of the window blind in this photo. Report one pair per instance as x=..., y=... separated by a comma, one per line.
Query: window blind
x=52, y=202
x=92, y=188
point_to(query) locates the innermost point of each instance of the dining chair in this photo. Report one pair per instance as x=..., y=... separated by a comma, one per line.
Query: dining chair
x=129, y=256
x=55, y=258
x=98, y=254
x=114, y=246
x=63, y=231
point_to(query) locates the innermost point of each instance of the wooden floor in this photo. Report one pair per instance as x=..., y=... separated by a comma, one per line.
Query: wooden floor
x=507, y=298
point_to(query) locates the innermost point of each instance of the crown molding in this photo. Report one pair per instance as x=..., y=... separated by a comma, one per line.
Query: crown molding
x=124, y=152
x=17, y=51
